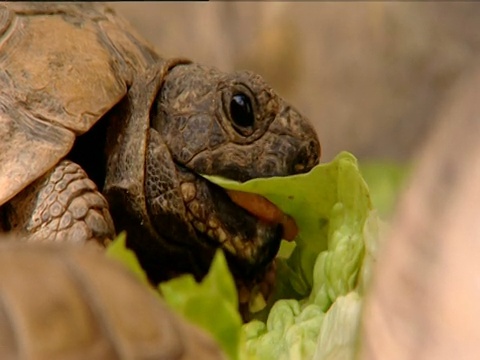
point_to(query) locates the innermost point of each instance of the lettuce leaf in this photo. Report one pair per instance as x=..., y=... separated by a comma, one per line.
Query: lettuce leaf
x=333, y=210
x=338, y=333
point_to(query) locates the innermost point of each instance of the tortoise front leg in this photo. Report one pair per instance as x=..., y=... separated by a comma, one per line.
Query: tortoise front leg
x=62, y=206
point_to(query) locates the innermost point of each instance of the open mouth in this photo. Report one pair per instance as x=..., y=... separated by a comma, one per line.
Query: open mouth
x=248, y=227
x=266, y=211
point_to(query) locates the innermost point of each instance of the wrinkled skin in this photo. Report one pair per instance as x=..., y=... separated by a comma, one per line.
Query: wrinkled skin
x=192, y=132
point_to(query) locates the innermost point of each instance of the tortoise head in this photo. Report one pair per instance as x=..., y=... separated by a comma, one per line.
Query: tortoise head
x=206, y=122
x=233, y=125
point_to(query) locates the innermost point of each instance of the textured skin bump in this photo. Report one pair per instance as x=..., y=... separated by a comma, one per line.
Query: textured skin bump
x=63, y=205
x=61, y=302
x=164, y=190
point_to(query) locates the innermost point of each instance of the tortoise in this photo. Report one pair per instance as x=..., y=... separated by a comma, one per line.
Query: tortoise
x=100, y=134
x=86, y=307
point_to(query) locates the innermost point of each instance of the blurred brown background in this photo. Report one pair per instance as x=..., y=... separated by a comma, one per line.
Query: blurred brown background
x=371, y=75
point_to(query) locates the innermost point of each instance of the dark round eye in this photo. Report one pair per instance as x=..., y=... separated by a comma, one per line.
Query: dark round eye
x=241, y=110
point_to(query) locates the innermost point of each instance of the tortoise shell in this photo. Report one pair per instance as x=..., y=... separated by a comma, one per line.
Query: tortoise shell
x=62, y=67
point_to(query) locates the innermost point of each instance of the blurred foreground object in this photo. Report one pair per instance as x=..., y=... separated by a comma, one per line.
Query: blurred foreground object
x=66, y=302
x=425, y=295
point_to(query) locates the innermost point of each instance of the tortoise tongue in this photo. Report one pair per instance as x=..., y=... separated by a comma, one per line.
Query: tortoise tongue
x=266, y=211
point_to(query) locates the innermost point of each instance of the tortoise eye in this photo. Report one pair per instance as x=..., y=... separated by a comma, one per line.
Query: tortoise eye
x=241, y=111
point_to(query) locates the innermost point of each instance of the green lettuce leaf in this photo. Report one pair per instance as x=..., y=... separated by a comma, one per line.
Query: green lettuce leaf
x=338, y=333
x=333, y=210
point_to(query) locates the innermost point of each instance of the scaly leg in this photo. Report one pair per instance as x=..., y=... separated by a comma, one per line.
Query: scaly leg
x=64, y=205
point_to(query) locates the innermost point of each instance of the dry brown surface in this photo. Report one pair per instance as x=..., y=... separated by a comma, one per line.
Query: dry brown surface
x=370, y=75
x=424, y=303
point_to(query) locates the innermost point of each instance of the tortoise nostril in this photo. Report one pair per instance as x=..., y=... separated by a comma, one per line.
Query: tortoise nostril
x=307, y=157
x=299, y=168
